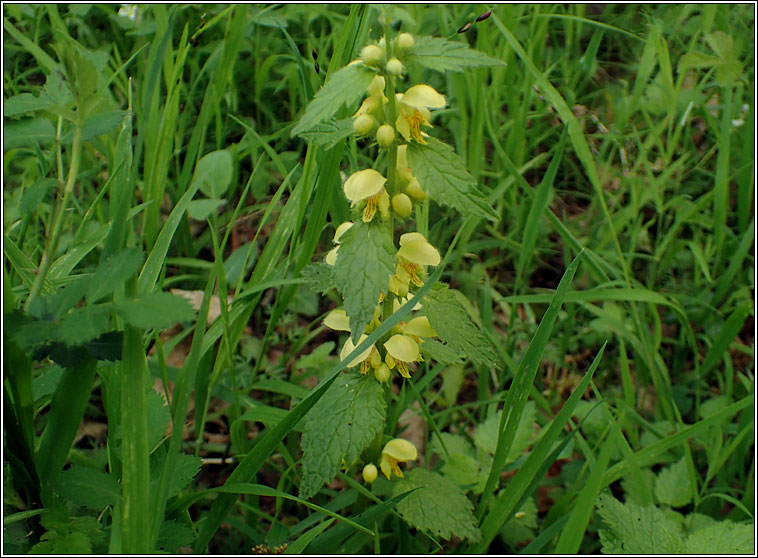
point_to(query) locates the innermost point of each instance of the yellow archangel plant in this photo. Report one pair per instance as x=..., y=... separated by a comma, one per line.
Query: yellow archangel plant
x=383, y=254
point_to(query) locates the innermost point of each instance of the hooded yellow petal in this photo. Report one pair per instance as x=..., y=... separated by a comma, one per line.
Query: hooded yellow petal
x=403, y=127
x=363, y=184
x=401, y=450
x=386, y=467
x=424, y=96
x=418, y=326
x=402, y=162
x=419, y=252
x=337, y=320
x=341, y=230
x=402, y=347
x=348, y=347
x=331, y=256
x=412, y=237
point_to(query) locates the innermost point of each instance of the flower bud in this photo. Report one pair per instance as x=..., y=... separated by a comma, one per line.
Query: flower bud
x=370, y=473
x=371, y=54
x=363, y=124
x=414, y=190
x=405, y=40
x=395, y=67
x=402, y=205
x=385, y=135
x=382, y=373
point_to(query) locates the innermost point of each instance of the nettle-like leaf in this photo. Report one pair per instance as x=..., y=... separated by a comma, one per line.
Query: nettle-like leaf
x=453, y=325
x=460, y=463
x=520, y=528
x=442, y=173
x=440, y=54
x=113, y=271
x=174, y=535
x=186, y=466
x=344, y=87
x=365, y=261
x=88, y=487
x=673, y=485
x=339, y=427
x=634, y=529
x=155, y=310
x=723, y=537
x=329, y=133
x=438, y=506
x=319, y=277
x=486, y=434
x=440, y=352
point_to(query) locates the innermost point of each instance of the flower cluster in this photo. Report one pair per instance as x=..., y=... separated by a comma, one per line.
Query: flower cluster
x=395, y=119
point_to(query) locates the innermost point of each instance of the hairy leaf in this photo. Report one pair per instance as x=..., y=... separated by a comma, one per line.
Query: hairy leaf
x=440, y=352
x=328, y=133
x=113, y=271
x=634, y=529
x=440, y=54
x=85, y=323
x=344, y=87
x=673, y=485
x=439, y=506
x=340, y=426
x=724, y=537
x=443, y=175
x=365, y=261
x=486, y=435
x=155, y=310
x=27, y=133
x=453, y=325
x=319, y=277
x=88, y=487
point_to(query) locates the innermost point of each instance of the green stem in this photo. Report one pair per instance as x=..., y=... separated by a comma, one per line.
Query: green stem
x=135, y=479
x=55, y=228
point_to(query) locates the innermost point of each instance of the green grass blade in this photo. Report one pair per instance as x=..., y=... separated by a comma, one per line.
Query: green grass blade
x=573, y=532
x=66, y=412
x=302, y=542
x=523, y=379
x=261, y=490
x=537, y=461
x=733, y=325
x=648, y=455
x=536, y=210
x=155, y=261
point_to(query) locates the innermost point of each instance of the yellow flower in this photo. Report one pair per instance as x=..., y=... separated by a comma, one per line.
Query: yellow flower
x=415, y=252
x=337, y=320
x=419, y=327
x=416, y=249
x=368, y=185
x=375, y=99
x=412, y=188
x=367, y=359
x=403, y=170
x=413, y=110
x=395, y=452
x=331, y=256
x=402, y=349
